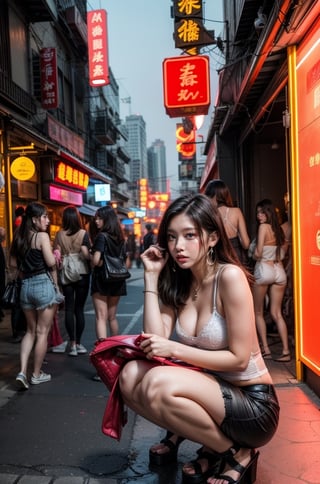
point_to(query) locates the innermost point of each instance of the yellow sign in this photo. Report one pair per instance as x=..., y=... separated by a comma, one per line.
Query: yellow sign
x=23, y=168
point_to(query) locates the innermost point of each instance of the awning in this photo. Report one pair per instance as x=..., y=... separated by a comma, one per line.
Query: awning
x=87, y=209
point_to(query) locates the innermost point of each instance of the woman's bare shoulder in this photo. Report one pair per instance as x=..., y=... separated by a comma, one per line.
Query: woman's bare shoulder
x=42, y=238
x=230, y=272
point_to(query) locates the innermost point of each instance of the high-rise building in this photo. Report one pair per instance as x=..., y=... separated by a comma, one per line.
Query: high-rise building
x=137, y=146
x=157, y=168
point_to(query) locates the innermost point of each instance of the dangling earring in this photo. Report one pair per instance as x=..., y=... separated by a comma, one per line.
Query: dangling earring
x=211, y=257
x=174, y=267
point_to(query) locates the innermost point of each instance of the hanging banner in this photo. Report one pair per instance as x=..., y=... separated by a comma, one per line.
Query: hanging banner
x=98, y=48
x=186, y=84
x=49, y=78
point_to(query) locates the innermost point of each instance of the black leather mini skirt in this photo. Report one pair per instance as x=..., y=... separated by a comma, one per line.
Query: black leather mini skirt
x=252, y=413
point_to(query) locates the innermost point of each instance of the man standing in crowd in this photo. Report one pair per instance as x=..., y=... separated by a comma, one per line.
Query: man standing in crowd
x=149, y=238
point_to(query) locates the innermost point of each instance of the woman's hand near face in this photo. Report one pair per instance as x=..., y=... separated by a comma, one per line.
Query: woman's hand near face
x=154, y=259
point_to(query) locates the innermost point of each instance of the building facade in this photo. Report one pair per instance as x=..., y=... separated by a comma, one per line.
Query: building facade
x=58, y=137
x=263, y=141
x=157, y=167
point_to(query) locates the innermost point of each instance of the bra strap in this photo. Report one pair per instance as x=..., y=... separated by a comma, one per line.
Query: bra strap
x=216, y=285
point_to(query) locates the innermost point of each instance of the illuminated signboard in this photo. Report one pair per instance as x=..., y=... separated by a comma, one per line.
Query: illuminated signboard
x=188, y=26
x=23, y=168
x=308, y=180
x=143, y=188
x=102, y=192
x=98, y=48
x=49, y=78
x=63, y=195
x=186, y=84
x=185, y=143
x=70, y=176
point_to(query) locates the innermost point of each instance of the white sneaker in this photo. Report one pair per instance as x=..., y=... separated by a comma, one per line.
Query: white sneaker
x=21, y=379
x=73, y=351
x=81, y=350
x=42, y=378
x=60, y=348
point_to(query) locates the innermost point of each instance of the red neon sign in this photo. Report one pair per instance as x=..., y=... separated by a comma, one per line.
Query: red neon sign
x=98, y=48
x=186, y=83
x=186, y=145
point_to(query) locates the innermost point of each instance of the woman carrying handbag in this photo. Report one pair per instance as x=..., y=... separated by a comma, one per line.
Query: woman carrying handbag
x=106, y=294
x=73, y=242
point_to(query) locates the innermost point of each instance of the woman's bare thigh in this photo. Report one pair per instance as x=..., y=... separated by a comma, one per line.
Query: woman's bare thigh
x=166, y=382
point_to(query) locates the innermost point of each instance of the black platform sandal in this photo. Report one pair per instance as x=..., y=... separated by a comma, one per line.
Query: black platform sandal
x=156, y=459
x=214, y=462
x=247, y=474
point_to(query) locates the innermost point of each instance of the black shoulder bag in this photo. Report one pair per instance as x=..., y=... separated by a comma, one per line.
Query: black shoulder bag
x=11, y=295
x=114, y=262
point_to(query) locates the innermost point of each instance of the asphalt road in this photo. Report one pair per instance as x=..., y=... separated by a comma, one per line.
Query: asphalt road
x=53, y=430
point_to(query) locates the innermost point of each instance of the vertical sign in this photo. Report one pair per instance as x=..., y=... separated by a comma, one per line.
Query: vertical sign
x=185, y=143
x=49, y=78
x=143, y=188
x=98, y=48
x=308, y=95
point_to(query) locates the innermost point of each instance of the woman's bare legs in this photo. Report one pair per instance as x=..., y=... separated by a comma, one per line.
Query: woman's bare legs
x=276, y=297
x=44, y=323
x=101, y=312
x=156, y=394
x=38, y=327
x=113, y=302
x=106, y=310
x=28, y=340
x=259, y=294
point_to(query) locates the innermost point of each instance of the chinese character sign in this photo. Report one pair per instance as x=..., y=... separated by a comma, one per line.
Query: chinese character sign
x=70, y=176
x=188, y=26
x=98, y=48
x=143, y=197
x=49, y=78
x=186, y=83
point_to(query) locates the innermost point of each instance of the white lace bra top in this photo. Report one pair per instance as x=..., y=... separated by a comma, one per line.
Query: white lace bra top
x=213, y=336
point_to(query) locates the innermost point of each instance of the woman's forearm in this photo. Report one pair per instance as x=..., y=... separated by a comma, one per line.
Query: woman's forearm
x=152, y=319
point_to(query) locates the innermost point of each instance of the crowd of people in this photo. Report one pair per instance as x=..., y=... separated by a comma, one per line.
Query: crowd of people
x=200, y=285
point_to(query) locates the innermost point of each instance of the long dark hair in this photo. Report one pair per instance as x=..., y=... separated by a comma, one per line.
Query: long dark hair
x=71, y=220
x=266, y=206
x=220, y=190
x=21, y=237
x=111, y=223
x=174, y=282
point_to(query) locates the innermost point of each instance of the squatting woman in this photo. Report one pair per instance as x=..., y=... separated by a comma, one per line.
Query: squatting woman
x=195, y=285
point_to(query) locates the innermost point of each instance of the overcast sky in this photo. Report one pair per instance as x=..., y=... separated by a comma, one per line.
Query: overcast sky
x=140, y=34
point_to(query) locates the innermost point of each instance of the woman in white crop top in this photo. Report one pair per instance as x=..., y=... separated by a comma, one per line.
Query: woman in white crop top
x=270, y=276
x=194, y=284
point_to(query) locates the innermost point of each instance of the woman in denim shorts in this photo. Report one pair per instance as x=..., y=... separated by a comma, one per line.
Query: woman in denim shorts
x=32, y=254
